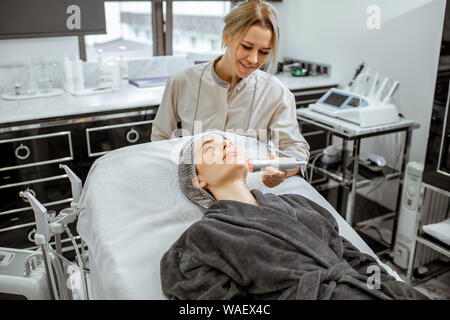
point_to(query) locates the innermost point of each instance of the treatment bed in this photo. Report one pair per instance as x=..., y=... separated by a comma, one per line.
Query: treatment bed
x=134, y=210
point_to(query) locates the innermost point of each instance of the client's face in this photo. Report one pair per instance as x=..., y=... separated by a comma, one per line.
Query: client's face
x=218, y=161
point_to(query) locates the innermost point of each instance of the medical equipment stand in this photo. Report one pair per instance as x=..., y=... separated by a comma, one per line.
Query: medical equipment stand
x=353, y=133
x=50, y=225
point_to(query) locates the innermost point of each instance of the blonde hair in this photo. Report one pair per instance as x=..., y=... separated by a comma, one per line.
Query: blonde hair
x=239, y=21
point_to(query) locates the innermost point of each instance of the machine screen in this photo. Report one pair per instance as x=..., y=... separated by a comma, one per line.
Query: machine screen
x=335, y=99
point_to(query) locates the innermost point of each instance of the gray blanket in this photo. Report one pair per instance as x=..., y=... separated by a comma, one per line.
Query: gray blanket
x=288, y=247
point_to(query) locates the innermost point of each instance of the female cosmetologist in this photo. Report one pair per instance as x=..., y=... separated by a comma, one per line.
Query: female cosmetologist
x=231, y=93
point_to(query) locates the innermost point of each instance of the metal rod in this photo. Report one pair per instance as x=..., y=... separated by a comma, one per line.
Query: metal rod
x=398, y=204
x=445, y=193
x=352, y=195
x=113, y=126
x=308, y=92
x=4, y=213
x=168, y=31
x=12, y=185
x=80, y=264
x=47, y=269
x=82, y=47
x=58, y=247
x=158, y=28
x=78, y=120
x=344, y=157
x=41, y=136
x=433, y=246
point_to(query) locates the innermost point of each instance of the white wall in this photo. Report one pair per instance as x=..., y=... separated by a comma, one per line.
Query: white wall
x=405, y=48
x=281, y=9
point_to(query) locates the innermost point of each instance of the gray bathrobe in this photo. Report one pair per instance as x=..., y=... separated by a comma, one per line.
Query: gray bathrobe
x=288, y=247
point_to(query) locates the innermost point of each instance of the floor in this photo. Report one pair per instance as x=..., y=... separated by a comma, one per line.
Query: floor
x=437, y=288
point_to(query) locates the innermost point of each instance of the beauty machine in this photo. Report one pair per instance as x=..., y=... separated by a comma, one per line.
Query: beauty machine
x=255, y=165
x=356, y=107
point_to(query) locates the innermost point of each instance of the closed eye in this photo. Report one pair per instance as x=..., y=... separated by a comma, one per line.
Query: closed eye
x=248, y=48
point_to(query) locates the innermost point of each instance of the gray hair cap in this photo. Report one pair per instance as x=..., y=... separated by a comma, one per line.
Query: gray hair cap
x=187, y=172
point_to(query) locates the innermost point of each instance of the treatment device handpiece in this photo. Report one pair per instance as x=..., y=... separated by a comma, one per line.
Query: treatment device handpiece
x=279, y=163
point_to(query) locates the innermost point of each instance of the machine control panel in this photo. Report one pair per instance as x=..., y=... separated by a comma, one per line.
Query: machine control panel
x=336, y=99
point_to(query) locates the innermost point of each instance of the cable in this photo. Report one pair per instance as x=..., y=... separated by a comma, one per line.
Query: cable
x=60, y=277
x=378, y=232
x=50, y=275
x=306, y=174
x=85, y=254
x=82, y=247
x=397, y=100
x=312, y=166
x=80, y=261
x=198, y=98
x=65, y=260
x=377, y=186
x=58, y=244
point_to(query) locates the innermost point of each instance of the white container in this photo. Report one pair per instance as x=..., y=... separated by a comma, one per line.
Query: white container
x=123, y=63
x=99, y=66
x=78, y=75
x=108, y=73
x=68, y=76
x=116, y=73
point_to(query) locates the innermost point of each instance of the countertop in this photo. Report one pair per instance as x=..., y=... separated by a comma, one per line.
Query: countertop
x=15, y=112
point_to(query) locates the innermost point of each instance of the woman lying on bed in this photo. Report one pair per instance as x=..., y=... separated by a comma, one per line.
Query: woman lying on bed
x=262, y=246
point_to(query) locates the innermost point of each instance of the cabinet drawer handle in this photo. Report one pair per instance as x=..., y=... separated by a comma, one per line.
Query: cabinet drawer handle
x=24, y=156
x=132, y=136
x=31, y=234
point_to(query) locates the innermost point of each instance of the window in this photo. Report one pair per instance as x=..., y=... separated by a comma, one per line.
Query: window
x=128, y=31
x=214, y=45
x=193, y=43
x=197, y=26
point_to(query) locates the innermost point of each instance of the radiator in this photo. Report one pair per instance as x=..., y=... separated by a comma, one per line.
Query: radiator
x=435, y=208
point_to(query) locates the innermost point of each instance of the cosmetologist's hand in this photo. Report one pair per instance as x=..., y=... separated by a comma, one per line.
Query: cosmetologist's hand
x=272, y=177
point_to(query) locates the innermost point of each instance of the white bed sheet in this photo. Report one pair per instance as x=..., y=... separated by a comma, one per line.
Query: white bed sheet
x=134, y=210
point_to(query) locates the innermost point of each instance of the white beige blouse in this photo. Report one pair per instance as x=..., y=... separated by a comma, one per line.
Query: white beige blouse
x=259, y=103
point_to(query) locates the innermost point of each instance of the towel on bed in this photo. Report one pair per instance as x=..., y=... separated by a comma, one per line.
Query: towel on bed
x=288, y=247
